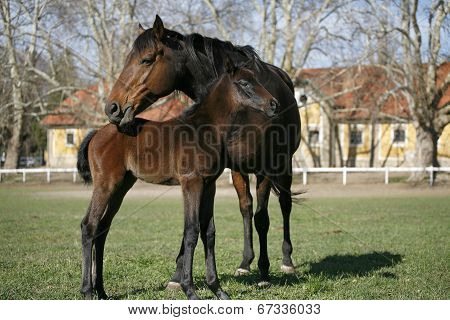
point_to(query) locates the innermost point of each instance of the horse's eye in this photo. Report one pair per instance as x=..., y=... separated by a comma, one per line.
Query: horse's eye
x=243, y=83
x=147, y=61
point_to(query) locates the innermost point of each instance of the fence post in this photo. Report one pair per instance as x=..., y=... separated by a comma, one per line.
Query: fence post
x=431, y=175
x=74, y=177
x=48, y=176
x=1, y=177
x=305, y=176
x=24, y=176
x=344, y=176
x=386, y=175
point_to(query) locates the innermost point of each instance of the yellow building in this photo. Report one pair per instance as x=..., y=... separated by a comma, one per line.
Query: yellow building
x=349, y=120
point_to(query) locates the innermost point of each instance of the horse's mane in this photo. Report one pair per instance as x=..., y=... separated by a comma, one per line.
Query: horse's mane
x=216, y=51
x=147, y=40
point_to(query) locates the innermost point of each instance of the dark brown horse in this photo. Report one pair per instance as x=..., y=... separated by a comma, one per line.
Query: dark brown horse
x=191, y=150
x=162, y=61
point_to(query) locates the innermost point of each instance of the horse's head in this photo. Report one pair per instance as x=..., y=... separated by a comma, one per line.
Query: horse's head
x=151, y=71
x=246, y=93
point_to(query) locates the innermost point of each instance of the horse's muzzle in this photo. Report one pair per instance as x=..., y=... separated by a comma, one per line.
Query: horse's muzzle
x=114, y=113
x=127, y=119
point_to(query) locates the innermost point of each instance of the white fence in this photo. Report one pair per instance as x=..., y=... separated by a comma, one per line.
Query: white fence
x=386, y=170
x=304, y=171
x=47, y=171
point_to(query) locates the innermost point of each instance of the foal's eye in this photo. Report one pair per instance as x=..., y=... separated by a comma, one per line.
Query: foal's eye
x=147, y=61
x=244, y=83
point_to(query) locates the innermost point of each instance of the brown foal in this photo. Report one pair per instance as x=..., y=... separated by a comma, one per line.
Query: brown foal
x=191, y=150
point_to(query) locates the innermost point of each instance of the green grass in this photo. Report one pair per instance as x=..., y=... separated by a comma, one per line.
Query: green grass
x=353, y=248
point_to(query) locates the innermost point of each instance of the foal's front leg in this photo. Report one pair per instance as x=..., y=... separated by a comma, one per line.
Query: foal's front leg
x=192, y=192
x=208, y=235
x=242, y=185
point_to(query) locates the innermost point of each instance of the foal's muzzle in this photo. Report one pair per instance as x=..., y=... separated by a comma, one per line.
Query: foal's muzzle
x=273, y=109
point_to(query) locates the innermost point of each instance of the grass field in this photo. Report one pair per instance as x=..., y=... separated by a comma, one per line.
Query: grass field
x=344, y=248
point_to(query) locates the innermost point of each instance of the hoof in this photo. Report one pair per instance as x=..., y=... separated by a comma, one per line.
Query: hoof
x=102, y=296
x=88, y=296
x=222, y=295
x=287, y=269
x=264, y=284
x=172, y=285
x=241, y=272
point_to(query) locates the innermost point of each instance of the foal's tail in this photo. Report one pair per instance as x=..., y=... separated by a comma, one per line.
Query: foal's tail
x=83, y=160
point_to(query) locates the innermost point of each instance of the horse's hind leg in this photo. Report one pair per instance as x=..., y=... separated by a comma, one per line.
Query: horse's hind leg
x=242, y=185
x=262, y=223
x=285, y=200
x=208, y=236
x=114, y=204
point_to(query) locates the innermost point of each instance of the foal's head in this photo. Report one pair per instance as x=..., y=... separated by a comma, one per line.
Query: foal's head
x=242, y=92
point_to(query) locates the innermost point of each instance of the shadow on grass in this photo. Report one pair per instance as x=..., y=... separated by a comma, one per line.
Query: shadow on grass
x=276, y=279
x=337, y=266
x=331, y=267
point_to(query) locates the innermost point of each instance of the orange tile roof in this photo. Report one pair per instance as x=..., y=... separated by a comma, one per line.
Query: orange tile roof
x=356, y=91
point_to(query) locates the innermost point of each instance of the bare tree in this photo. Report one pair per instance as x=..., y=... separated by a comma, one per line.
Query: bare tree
x=421, y=86
x=418, y=71
x=10, y=14
x=34, y=69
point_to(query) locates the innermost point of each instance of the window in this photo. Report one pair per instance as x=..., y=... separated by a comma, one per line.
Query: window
x=70, y=138
x=399, y=136
x=355, y=137
x=313, y=137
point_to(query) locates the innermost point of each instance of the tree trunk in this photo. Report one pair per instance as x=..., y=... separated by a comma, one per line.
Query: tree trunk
x=426, y=147
x=426, y=152
x=13, y=151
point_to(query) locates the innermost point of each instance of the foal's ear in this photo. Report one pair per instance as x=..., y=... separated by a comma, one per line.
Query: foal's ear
x=140, y=29
x=158, y=28
x=229, y=65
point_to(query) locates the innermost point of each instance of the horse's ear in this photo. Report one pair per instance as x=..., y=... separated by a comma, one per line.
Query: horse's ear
x=140, y=29
x=158, y=28
x=229, y=65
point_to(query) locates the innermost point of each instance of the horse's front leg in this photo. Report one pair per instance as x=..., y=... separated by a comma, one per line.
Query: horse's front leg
x=192, y=193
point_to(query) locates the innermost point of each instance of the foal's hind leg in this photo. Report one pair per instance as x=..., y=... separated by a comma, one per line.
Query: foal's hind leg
x=114, y=204
x=208, y=236
x=262, y=223
x=174, y=283
x=242, y=185
x=89, y=224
